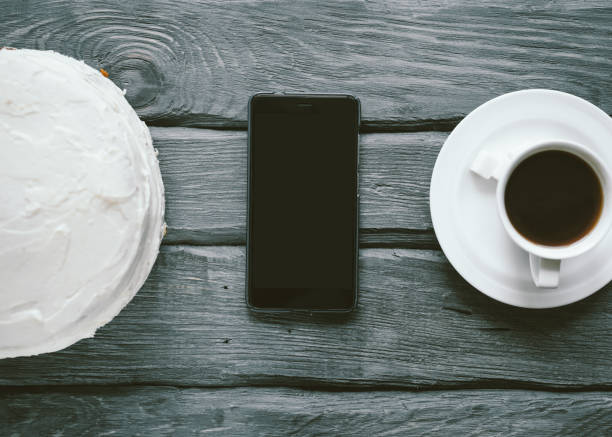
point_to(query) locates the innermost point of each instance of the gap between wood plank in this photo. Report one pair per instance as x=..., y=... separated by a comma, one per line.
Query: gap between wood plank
x=367, y=126
x=387, y=238
x=313, y=388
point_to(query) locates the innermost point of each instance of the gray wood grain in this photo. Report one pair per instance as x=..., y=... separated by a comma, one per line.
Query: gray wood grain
x=204, y=173
x=153, y=411
x=418, y=325
x=410, y=62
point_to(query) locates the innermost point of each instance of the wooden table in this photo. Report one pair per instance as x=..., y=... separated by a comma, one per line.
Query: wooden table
x=425, y=353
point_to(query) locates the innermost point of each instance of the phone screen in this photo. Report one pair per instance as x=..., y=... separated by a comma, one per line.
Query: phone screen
x=303, y=205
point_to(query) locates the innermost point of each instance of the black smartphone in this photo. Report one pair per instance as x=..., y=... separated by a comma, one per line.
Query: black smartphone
x=303, y=203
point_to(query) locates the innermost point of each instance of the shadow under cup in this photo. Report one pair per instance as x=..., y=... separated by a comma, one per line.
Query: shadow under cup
x=553, y=200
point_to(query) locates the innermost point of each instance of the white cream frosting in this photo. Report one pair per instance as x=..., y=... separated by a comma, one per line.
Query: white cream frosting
x=81, y=202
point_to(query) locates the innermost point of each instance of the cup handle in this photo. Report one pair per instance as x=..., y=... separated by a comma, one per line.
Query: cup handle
x=545, y=272
x=489, y=165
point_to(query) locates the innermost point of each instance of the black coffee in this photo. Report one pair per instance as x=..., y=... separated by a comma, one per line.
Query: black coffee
x=553, y=198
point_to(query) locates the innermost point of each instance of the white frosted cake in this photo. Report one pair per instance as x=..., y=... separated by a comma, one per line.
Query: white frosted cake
x=81, y=201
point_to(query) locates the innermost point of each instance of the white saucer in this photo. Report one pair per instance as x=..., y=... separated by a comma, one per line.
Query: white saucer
x=463, y=207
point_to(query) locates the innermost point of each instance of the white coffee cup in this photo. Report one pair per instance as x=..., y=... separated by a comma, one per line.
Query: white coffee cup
x=545, y=261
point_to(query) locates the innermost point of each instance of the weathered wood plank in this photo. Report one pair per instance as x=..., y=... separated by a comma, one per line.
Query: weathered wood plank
x=418, y=325
x=204, y=172
x=262, y=411
x=196, y=63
